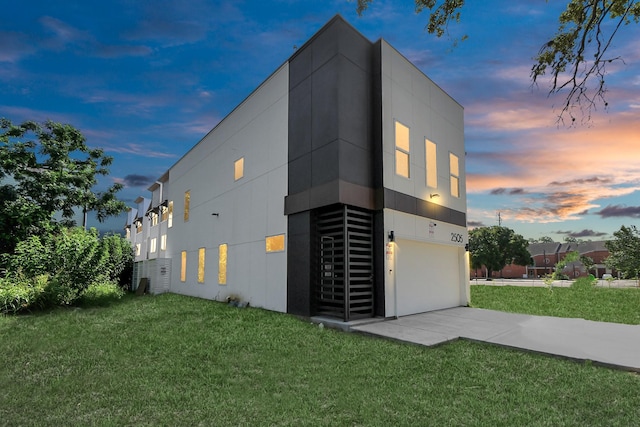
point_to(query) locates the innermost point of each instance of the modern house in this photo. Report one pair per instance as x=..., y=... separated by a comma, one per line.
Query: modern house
x=336, y=188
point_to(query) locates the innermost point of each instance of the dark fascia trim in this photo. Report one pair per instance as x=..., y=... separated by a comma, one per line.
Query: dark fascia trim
x=414, y=206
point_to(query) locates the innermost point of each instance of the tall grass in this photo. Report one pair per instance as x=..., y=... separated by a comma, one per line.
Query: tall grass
x=178, y=361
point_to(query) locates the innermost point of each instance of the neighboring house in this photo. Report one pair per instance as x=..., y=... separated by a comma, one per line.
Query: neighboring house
x=546, y=255
x=336, y=188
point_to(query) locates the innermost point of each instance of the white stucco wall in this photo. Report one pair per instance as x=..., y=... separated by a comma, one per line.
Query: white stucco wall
x=248, y=209
x=429, y=260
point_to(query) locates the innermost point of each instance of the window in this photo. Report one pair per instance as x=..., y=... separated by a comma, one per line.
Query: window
x=139, y=226
x=170, y=215
x=128, y=233
x=164, y=213
x=138, y=249
x=201, y=255
x=238, y=168
x=222, y=264
x=152, y=245
x=187, y=201
x=183, y=267
x=275, y=243
x=163, y=242
x=154, y=219
x=402, y=150
x=454, y=171
x=432, y=164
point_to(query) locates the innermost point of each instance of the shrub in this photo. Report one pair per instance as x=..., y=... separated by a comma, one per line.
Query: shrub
x=73, y=260
x=584, y=283
x=22, y=294
x=119, y=259
x=101, y=294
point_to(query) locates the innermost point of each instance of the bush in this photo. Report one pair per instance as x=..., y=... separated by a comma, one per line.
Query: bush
x=17, y=295
x=58, y=268
x=584, y=283
x=101, y=294
x=119, y=259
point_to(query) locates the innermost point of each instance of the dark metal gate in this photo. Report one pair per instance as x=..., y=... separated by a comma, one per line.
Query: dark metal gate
x=343, y=273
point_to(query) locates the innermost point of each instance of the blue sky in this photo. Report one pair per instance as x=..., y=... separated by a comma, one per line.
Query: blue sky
x=146, y=80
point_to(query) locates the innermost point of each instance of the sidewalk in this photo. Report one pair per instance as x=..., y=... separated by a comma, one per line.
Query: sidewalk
x=537, y=283
x=609, y=344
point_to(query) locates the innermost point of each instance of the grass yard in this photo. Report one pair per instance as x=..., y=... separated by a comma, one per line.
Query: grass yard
x=618, y=305
x=179, y=361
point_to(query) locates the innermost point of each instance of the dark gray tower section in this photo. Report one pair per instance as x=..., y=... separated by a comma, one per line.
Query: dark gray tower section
x=334, y=161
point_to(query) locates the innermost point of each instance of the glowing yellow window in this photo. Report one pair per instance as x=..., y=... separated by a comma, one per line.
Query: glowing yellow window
x=275, y=243
x=432, y=164
x=402, y=150
x=187, y=201
x=183, y=267
x=454, y=171
x=222, y=264
x=153, y=245
x=201, y=255
x=170, y=215
x=238, y=168
x=163, y=242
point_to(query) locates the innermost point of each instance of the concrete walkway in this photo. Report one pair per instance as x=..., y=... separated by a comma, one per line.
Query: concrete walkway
x=609, y=344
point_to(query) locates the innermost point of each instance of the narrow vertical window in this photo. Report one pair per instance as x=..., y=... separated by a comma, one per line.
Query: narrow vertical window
x=183, y=267
x=274, y=243
x=128, y=233
x=432, y=164
x=402, y=150
x=454, y=171
x=238, y=168
x=170, y=215
x=187, y=201
x=154, y=219
x=138, y=249
x=163, y=242
x=152, y=245
x=222, y=264
x=201, y=255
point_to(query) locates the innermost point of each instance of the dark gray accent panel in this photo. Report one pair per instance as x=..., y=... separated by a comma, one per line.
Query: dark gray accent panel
x=355, y=164
x=414, y=206
x=300, y=174
x=299, y=264
x=325, y=162
x=300, y=120
x=330, y=119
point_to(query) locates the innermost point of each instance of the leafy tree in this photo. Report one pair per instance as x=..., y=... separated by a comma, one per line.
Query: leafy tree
x=47, y=169
x=546, y=239
x=588, y=262
x=624, y=251
x=558, y=271
x=573, y=57
x=497, y=246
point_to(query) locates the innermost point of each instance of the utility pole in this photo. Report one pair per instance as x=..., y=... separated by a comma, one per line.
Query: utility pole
x=499, y=219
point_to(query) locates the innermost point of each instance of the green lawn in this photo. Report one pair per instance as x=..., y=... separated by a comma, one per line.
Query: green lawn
x=178, y=361
x=618, y=305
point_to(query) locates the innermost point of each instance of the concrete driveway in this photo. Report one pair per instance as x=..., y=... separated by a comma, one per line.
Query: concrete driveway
x=609, y=344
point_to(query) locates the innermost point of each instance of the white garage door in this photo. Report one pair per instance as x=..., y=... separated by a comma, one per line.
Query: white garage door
x=427, y=277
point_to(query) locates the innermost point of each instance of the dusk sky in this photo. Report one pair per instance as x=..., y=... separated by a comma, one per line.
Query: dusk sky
x=146, y=80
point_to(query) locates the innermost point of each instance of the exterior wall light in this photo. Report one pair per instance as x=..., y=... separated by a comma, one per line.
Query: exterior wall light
x=432, y=195
x=391, y=236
